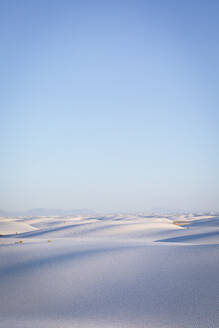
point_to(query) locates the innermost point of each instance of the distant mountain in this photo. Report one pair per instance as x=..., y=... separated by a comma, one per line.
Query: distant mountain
x=176, y=211
x=167, y=211
x=3, y=213
x=56, y=212
x=47, y=212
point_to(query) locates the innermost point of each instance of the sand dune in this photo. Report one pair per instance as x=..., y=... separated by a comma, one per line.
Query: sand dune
x=113, y=271
x=12, y=226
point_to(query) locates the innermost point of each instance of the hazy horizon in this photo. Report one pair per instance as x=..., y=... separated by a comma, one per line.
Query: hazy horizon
x=45, y=211
x=109, y=106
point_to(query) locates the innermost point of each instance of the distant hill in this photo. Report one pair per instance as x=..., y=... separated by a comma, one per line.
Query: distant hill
x=3, y=213
x=47, y=212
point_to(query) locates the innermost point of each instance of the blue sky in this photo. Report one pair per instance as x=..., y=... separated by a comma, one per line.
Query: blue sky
x=109, y=105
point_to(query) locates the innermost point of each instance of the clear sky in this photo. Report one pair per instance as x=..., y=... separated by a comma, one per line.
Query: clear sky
x=109, y=105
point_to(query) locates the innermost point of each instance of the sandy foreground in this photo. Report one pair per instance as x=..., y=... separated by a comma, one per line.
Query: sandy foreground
x=110, y=271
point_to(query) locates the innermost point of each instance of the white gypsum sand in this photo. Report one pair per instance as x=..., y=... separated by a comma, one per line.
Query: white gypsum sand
x=110, y=271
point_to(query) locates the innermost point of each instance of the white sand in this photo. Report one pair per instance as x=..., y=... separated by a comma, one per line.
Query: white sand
x=10, y=226
x=110, y=271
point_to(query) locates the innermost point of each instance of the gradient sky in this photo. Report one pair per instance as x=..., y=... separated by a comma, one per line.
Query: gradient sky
x=109, y=105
